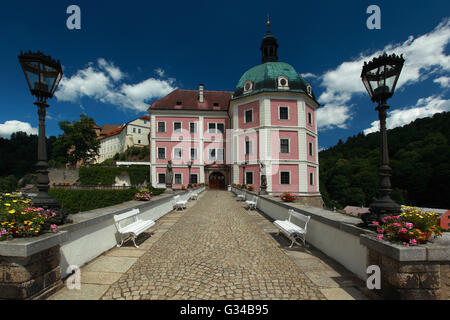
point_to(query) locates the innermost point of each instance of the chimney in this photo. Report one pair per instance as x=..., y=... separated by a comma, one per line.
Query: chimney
x=200, y=93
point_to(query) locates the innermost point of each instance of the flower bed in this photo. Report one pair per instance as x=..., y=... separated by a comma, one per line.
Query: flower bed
x=18, y=219
x=143, y=195
x=288, y=197
x=250, y=187
x=414, y=226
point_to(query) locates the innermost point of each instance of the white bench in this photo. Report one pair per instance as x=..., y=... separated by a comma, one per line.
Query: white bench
x=240, y=195
x=290, y=229
x=179, y=204
x=251, y=204
x=132, y=230
x=193, y=196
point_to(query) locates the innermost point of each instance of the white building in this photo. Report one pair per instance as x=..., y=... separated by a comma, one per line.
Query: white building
x=131, y=134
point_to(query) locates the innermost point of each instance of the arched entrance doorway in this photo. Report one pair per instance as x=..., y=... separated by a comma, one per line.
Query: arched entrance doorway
x=216, y=180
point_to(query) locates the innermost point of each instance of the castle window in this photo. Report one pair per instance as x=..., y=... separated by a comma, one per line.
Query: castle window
x=309, y=89
x=161, y=127
x=161, y=178
x=311, y=178
x=248, y=86
x=249, y=177
x=283, y=82
x=310, y=118
x=284, y=145
x=177, y=126
x=178, y=178
x=285, y=177
x=283, y=113
x=248, y=116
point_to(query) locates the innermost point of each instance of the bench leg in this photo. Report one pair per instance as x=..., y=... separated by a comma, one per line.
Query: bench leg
x=134, y=241
x=293, y=241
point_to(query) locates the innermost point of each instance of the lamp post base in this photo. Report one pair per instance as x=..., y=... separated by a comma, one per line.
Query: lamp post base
x=381, y=208
x=45, y=201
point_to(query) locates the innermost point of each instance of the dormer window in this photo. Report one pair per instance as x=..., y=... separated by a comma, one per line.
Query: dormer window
x=248, y=86
x=215, y=104
x=179, y=103
x=283, y=82
x=309, y=90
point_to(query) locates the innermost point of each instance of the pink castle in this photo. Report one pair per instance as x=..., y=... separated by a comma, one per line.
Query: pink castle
x=269, y=119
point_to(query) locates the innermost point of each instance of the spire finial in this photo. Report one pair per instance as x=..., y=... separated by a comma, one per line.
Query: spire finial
x=268, y=24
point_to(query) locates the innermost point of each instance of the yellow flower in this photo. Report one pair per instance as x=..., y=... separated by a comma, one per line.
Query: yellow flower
x=12, y=211
x=7, y=204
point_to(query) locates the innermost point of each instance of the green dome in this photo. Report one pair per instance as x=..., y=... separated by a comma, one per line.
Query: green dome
x=264, y=78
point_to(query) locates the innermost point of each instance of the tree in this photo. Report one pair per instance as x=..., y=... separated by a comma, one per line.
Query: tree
x=78, y=143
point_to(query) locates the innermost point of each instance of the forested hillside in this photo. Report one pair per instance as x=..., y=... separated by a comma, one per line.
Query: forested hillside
x=419, y=157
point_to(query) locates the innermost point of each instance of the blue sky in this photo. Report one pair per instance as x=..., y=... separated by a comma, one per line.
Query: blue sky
x=128, y=54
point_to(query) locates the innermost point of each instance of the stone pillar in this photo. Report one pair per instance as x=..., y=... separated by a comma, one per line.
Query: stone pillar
x=34, y=277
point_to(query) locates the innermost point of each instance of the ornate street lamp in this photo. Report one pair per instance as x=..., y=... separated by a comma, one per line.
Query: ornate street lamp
x=380, y=77
x=189, y=166
x=43, y=75
x=244, y=164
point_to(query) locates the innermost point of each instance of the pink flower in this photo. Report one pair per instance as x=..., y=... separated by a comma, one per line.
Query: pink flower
x=383, y=220
x=402, y=230
x=53, y=214
x=380, y=230
x=405, y=244
x=380, y=236
x=375, y=223
x=409, y=225
x=54, y=227
x=396, y=224
x=413, y=241
x=3, y=232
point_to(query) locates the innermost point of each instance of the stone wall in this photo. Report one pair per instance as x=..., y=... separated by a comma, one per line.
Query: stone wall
x=314, y=201
x=412, y=280
x=33, y=277
x=60, y=176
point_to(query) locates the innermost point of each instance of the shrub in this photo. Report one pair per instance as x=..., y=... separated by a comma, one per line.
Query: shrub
x=74, y=201
x=19, y=219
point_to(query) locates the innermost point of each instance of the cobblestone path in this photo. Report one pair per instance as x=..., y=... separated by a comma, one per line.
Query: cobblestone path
x=214, y=251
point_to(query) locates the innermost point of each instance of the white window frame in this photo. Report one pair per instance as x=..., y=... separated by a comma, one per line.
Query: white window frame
x=251, y=86
x=196, y=153
x=283, y=171
x=134, y=130
x=181, y=126
x=253, y=177
x=165, y=153
x=280, y=86
x=181, y=153
x=164, y=178
x=289, y=145
x=309, y=90
x=175, y=178
x=288, y=112
x=215, y=127
x=245, y=117
x=195, y=127
x=194, y=174
x=311, y=149
x=157, y=127
x=216, y=153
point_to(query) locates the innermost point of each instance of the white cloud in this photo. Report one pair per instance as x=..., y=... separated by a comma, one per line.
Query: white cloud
x=308, y=75
x=425, y=107
x=332, y=115
x=424, y=56
x=443, y=81
x=112, y=70
x=103, y=83
x=160, y=72
x=11, y=126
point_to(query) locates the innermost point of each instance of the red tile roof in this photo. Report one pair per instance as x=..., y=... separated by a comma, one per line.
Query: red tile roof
x=113, y=132
x=213, y=100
